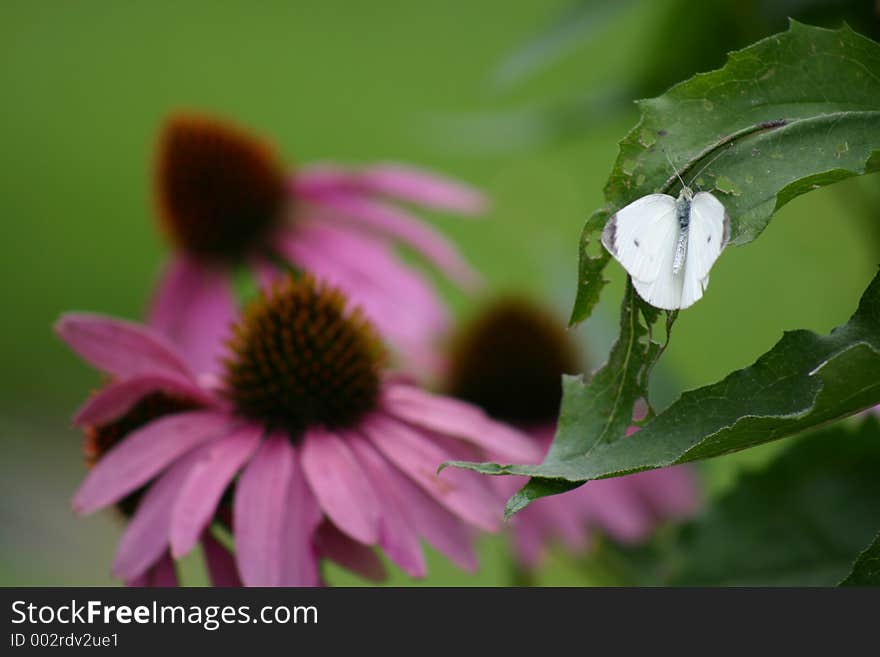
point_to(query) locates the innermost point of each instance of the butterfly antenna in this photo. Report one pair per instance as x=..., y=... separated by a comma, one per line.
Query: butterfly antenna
x=669, y=159
x=709, y=163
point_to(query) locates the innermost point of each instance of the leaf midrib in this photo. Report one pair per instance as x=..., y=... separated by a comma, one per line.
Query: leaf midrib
x=623, y=371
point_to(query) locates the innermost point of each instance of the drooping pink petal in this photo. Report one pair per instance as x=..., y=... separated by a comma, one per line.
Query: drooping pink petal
x=562, y=520
x=119, y=397
x=146, y=538
x=371, y=294
x=445, y=532
x=467, y=496
x=259, y=512
x=626, y=508
x=615, y=506
x=406, y=228
x=194, y=308
x=410, y=184
x=117, y=347
x=202, y=490
x=220, y=562
x=371, y=263
x=139, y=582
x=460, y=419
x=299, y=556
x=161, y=574
x=398, y=535
x=670, y=492
x=528, y=542
x=566, y=517
x=340, y=486
x=144, y=453
x=348, y=553
x=400, y=181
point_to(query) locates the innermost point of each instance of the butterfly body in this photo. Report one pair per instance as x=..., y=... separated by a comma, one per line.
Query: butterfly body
x=683, y=210
x=668, y=245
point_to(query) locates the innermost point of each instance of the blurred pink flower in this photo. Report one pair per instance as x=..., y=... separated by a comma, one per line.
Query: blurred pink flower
x=628, y=509
x=327, y=455
x=227, y=204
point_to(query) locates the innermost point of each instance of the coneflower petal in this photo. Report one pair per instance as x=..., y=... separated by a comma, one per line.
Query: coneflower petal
x=461, y=420
x=145, y=453
x=348, y=553
x=617, y=507
x=160, y=574
x=398, y=535
x=466, y=495
x=118, y=398
x=400, y=225
x=442, y=530
x=340, y=485
x=259, y=512
x=194, y=307
x=299, y=556
x=670, y=492
x=117, y=347
x=146, y=538
x=408, y=183
x=202, y=489
x=399, y=181
x=220, y=562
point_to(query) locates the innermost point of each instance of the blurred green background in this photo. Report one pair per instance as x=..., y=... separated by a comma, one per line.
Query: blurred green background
x=85, y=84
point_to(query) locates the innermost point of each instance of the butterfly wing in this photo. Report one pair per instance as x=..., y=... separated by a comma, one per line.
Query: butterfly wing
x=665, y=291
x=708, y=234
x=642, y=234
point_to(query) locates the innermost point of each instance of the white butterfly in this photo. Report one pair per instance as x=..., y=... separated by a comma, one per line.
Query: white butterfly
x=668, y=245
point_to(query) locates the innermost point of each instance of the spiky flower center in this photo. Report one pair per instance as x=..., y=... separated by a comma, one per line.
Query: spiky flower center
x=101, y=439
x=510, y=360
x=299, y=359
x=219, y=190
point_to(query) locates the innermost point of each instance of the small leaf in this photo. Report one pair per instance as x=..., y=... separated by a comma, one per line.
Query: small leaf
x=590, y=268
x=801, y=521
x=866, y=569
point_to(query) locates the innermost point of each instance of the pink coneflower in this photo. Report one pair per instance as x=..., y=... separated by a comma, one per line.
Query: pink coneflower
x=227, y=205
x=326, y=454
x=509, y=362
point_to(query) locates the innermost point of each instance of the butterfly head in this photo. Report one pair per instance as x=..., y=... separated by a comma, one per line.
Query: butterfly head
x=686, y=193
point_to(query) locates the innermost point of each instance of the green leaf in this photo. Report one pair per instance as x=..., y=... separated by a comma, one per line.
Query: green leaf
x=804, y=381
x=866, y=570
x=602, y=409
x=590, y=267
x=786, y=115
x=800, y=521
x=706, y=31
